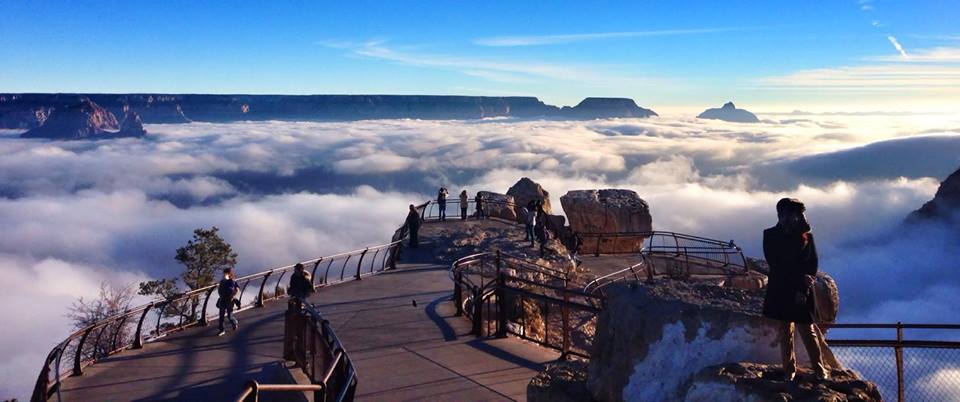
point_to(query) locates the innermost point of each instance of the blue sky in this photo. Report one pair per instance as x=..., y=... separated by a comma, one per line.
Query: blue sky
x=665, y=54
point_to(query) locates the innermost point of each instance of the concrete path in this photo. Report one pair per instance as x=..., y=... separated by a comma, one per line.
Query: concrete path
x=398, y=327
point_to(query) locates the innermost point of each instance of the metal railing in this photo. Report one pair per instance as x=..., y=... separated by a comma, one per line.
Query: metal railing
x=491, y=209
x=634, y=273
x=310, y=341
x=132, y=328
x=503, y=294
x=923, y=367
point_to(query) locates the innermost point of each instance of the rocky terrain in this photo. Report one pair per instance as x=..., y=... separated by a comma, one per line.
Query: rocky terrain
x=944, y=205
x=26, y=111
x=86, y=120
x=729, y=112
x=607, y=211
x=752, y=382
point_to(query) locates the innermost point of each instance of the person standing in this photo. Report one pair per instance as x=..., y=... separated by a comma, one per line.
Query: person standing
x=530, y=221
x=413, y=226
x=464, y=203
x=227, y=290
x=442, y=202
x=301, y=287
x=792, y=255
x=479, y=201
x=540, y=230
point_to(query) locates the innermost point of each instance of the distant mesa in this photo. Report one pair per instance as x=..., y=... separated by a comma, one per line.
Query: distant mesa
x=85, y=119
x=27, y=111
x=600, y=108
x=729, y=112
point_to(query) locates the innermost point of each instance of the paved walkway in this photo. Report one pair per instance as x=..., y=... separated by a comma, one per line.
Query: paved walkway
x=398, y=327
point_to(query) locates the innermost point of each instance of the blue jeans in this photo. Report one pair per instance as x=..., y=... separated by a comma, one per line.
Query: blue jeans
x=228, y=311
x=443, y=210
x=530, y=235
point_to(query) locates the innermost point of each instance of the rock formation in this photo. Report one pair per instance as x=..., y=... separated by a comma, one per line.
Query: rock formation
x=87, y=120
x=729, y=112
x=667, y=326
x=945, y=204
x=498, y=205
x=751, y=382
x=20, y=110
x=82, y=120
x=561, y=381
x=131, y=126
x=607, y=211
x=600, y=108
x=525, y=190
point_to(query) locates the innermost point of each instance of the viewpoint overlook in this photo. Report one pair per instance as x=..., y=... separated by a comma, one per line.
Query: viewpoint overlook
x=460, y=306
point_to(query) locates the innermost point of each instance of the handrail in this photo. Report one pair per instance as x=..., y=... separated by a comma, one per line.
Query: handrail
x=184, y=307
x=311, y=338
x=599, y=283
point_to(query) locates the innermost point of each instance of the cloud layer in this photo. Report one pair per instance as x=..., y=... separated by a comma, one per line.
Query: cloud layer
x=80, y=212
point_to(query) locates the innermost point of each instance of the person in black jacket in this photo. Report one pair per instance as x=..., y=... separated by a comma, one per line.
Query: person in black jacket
x=792, y=254
x=300, y=285
x=227, y=290
x=413, y=225
x=442, y=202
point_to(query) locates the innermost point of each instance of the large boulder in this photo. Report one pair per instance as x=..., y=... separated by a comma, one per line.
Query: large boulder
x=669, y=326
x=498, y=205
x=751, y=382
x=560, y=381
x=525, y=190
x=729, y=112
x=607, y=211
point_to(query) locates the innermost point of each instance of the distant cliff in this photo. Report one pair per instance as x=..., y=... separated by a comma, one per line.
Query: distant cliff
x=27, y=111
x=85, y=119
x=945, y=205
x=729, y=112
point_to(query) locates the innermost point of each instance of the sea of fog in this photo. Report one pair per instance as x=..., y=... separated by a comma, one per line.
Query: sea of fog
x=75, y=214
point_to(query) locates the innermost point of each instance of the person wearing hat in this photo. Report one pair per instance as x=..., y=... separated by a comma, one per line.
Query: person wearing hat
x=413, y=225
x=792, y=255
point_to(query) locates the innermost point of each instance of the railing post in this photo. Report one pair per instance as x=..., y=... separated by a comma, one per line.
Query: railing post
x=394, y=255
x=313, y=273
x=203, y=312
x=478, y=311
x=137, y=337
x=254, y=395
x=565, y=321
x=116, y=335
x=360, y=263
x=597, y=252
x=458, y=292
x=77, y=370
x=501, y=303
x=259, y=302
x=898, y=351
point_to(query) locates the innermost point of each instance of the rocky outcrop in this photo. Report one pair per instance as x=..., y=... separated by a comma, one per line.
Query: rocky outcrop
x=561, y=381
x=729, y=112
x=498, y=205
x=81, y=120
x=668, y=326
x=131, y=126
x=600, y=108
x=19, y=110
x=525, y=190
x=945, y=204
x=607, y=211
x=751, y=382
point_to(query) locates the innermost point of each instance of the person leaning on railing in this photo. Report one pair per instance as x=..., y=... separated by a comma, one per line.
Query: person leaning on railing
x=442, y=202
x=300, y=285
x=792, y=255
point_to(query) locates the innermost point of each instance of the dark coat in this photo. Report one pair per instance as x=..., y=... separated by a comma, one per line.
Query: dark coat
x=791, y=259
x=413, y=220
x=300, y=285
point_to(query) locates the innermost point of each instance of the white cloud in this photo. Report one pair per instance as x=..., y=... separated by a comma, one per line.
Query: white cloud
x=535, y=40
x=284, y=191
